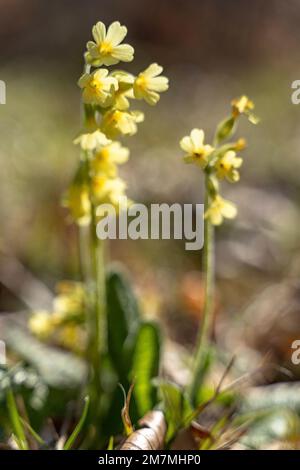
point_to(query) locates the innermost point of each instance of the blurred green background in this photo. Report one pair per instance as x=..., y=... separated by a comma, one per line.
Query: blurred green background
x=213, y=51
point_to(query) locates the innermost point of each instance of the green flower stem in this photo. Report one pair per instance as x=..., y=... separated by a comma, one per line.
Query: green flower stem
x=207, y=318
x=83, y=249
x=97, y=327
x=94, y=273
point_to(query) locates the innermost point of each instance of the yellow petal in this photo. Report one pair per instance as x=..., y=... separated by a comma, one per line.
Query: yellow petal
x=228, y=209
x=115, y=33
x=158, y=84
x=138, y=116
x=151, y=97
x=92, y=140
x=123, y=52
x=214, y=215
x=99, y=32
x=186, y=144
x=100, y=73
x=83, y=81
x=153, y=70
x=197, y=138
x=237, y=162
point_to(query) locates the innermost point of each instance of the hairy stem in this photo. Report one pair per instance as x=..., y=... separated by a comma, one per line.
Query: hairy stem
x=207, y=318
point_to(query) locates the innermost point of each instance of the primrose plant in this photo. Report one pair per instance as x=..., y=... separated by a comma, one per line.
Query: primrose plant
x=218, y=161
x=107, y=96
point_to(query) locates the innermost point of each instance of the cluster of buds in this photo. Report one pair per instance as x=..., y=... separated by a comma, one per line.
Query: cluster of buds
x=219, y=161
x=107, y=97
x=64, y=324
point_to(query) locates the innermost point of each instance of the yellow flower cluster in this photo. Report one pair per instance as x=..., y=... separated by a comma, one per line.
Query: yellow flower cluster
x=219, y=161
x=245, y=106
x=107, y=98
x=64, y=324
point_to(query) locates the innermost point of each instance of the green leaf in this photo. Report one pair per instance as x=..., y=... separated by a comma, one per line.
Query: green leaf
x=16, y=421
x=145, y=366
x=200, y=375
x=176, y=407
x=60, y=370
x=34, y=434
x=78, y=426
x=225, y=129
x=123, y=320
x=111, y=443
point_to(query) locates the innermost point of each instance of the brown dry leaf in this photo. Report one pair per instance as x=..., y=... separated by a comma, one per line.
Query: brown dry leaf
x=125, y=411
x=151, y=434
x=199, y=431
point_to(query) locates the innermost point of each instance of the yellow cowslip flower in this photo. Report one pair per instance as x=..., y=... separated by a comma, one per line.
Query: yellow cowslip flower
x=40, y=324
x=98, y=87
x=66, y=318
x=243, y=105
x=196, y=151
x=226, y=166
x=219, y=209
x=106, y=159
x=147, y=84
x=107, y=48
x=69, y=303
x=117, y=122
x=72, y=337
x=117, y=189
x=92, y=140
x=78, y=202
x=124, y=91
x=107, y=189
